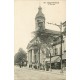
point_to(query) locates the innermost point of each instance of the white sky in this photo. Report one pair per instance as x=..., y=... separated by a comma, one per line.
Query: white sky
x=24, y=19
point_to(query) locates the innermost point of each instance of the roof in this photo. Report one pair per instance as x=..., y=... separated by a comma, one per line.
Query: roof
x=64, y=24
x=52, y=31
x=31, y=42
x=40, y=14
x=47, y=32
x=45, y=35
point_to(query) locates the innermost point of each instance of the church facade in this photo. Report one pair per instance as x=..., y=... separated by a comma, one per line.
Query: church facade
x=41, y=48
x=34, y=52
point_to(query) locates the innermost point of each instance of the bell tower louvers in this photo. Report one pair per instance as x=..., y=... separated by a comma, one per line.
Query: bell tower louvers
x=40, y=20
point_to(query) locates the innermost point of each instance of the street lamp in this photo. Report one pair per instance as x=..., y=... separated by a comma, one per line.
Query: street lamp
x=60, y=27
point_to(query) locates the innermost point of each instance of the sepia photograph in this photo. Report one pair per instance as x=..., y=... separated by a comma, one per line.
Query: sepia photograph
x=39, y=39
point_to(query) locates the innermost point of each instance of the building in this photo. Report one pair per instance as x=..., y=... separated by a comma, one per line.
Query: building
x=56, y=53
x=40, y=47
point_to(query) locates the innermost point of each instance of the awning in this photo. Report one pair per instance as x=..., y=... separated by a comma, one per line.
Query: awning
x=56, y=58
x=47, y=59
x=53, y=59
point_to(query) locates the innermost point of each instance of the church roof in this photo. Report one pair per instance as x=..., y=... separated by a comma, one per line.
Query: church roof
x=52, y=32
x=40, y=14
x=46, y=32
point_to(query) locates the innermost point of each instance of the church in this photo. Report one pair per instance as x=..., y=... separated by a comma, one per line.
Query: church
x=41, y=47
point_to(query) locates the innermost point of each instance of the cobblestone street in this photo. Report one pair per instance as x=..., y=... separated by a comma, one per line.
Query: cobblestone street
x=29, y=74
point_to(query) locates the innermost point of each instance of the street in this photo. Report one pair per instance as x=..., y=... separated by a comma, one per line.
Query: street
x=29, y=74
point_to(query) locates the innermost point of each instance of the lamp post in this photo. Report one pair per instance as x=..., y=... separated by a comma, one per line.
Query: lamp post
x=60, y=27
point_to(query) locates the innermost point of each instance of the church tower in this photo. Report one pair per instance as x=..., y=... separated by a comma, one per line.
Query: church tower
x=40, y=20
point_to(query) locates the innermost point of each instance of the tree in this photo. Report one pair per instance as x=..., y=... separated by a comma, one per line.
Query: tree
x=20, y=57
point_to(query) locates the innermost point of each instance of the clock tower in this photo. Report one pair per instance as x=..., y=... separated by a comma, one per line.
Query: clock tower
x=40, y=20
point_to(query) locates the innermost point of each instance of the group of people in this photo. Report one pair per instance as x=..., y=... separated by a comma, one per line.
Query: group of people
x=21, y=64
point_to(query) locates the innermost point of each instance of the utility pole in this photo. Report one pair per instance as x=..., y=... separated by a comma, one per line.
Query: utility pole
x=61, y=48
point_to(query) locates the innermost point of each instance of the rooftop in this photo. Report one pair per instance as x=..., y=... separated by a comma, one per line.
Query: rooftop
x=40, y=14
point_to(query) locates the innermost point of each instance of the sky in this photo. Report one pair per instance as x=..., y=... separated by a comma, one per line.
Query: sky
x=24, y=18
